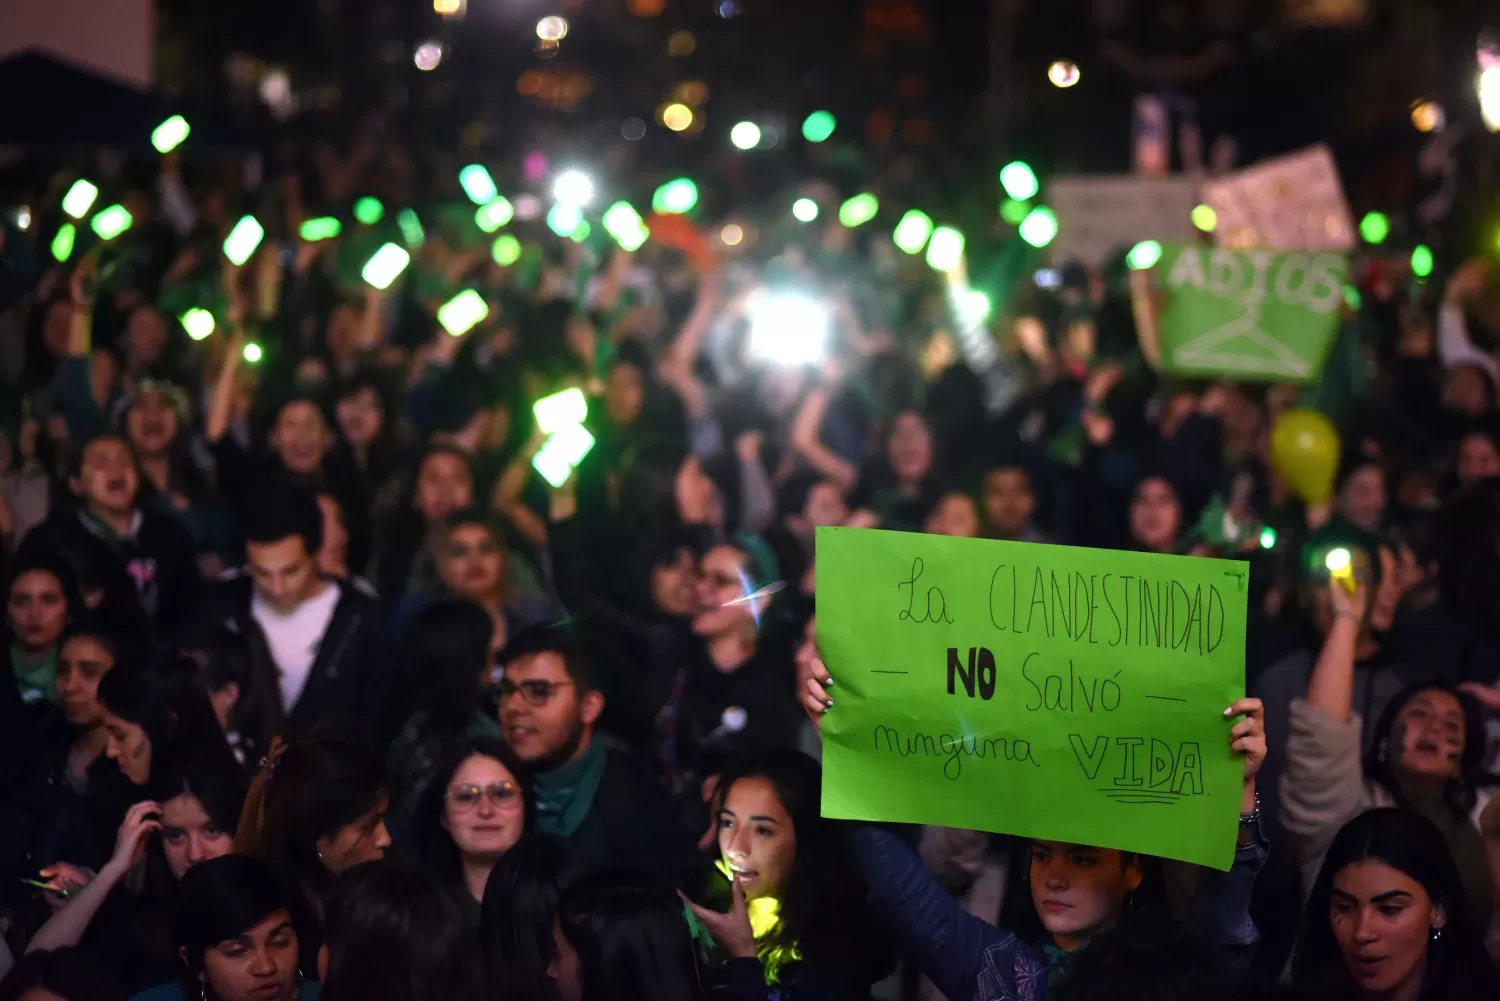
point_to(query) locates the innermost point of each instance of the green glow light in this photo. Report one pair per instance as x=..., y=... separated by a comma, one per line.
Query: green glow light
x=169, y=134
x=859, y=210
x=506, y=250
x=1019, y=181
x=494, y=215
x=675, y=197
x=62, y=243
x=111, y=222
x=818, y=126
x=80, y=198
x=1374, y=227
x=945, y=249
x=198, y=323
x=478, y=184
x=912, y=231
x=369, y=211
x=243, y=239
x=1421, y=260
x=1144, y=255
x=1039, y=228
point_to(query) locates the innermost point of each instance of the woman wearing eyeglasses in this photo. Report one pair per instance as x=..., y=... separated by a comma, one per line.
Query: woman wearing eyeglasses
x=440, y=695
x=475, y=810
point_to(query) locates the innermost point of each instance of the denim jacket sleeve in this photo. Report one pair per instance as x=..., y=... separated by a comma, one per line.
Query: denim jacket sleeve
x=1220, y=910
x=952, y=947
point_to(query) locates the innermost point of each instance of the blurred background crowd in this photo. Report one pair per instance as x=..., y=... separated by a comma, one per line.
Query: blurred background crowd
x=287, y=510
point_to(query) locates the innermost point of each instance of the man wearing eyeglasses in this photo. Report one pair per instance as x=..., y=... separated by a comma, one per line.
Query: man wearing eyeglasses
x=602, y=799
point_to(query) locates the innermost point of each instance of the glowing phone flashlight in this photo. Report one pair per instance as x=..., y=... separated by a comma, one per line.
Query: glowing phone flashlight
x=169, y=134
x=463, y=312
x=555, y=412
x=562, y=453
x=1341, y=568
x=243, y=239
x=198, y=323
x=80, y=198
x=111, y=222
x=385, y=266
x=315, y=230
x=478, y=184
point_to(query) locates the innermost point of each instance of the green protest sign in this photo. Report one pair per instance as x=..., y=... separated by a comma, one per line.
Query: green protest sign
x=1046, y=691
x=1255, y=315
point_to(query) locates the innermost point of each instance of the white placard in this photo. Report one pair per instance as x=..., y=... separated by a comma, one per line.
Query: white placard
x=1292, y=202
x=1100, y=216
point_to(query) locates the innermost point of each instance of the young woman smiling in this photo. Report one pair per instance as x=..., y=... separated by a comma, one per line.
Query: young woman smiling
x=1388, y=918
x=477, y=808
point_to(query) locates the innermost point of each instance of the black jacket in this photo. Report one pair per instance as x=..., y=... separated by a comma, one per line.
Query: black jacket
x=159, y=559
x=632, y=824
x=351, y=676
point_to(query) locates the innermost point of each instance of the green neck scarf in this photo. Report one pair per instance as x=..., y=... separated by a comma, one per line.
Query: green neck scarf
x=565, y=795
x=35, y=681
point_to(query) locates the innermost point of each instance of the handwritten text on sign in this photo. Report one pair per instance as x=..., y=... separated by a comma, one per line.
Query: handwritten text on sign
x=1047, y=691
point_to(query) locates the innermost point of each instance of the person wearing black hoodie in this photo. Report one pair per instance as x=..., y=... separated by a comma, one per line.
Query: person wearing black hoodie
x=327, y=639
x=155, y=551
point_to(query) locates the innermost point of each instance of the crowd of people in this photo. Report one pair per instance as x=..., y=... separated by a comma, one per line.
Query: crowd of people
x=318, y=689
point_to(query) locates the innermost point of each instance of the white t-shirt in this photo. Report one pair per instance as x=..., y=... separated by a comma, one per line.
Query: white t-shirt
x=294, y=639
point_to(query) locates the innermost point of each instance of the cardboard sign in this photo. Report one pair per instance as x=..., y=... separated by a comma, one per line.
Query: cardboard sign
x=1293, y=202
x=1045, y=691
x=1100, y=216
x=1257, y=315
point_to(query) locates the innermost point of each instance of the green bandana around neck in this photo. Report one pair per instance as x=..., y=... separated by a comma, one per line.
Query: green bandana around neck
x=36, y=681
x=565, y=795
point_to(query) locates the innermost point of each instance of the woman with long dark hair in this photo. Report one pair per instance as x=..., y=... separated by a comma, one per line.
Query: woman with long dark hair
x=1388, y=917
x=316, y=809
x=518, y=914
x=150, y=713
x=1426, y=756
x=622, y=937
x=234, y=933
x=798, y=899
x=237, y=671
x=478, y=806
x=67, y=796
x=122, y=915
x=394, y=935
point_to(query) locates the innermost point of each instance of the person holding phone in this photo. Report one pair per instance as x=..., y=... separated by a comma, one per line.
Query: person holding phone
x=797, y=901
x=122, y=916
